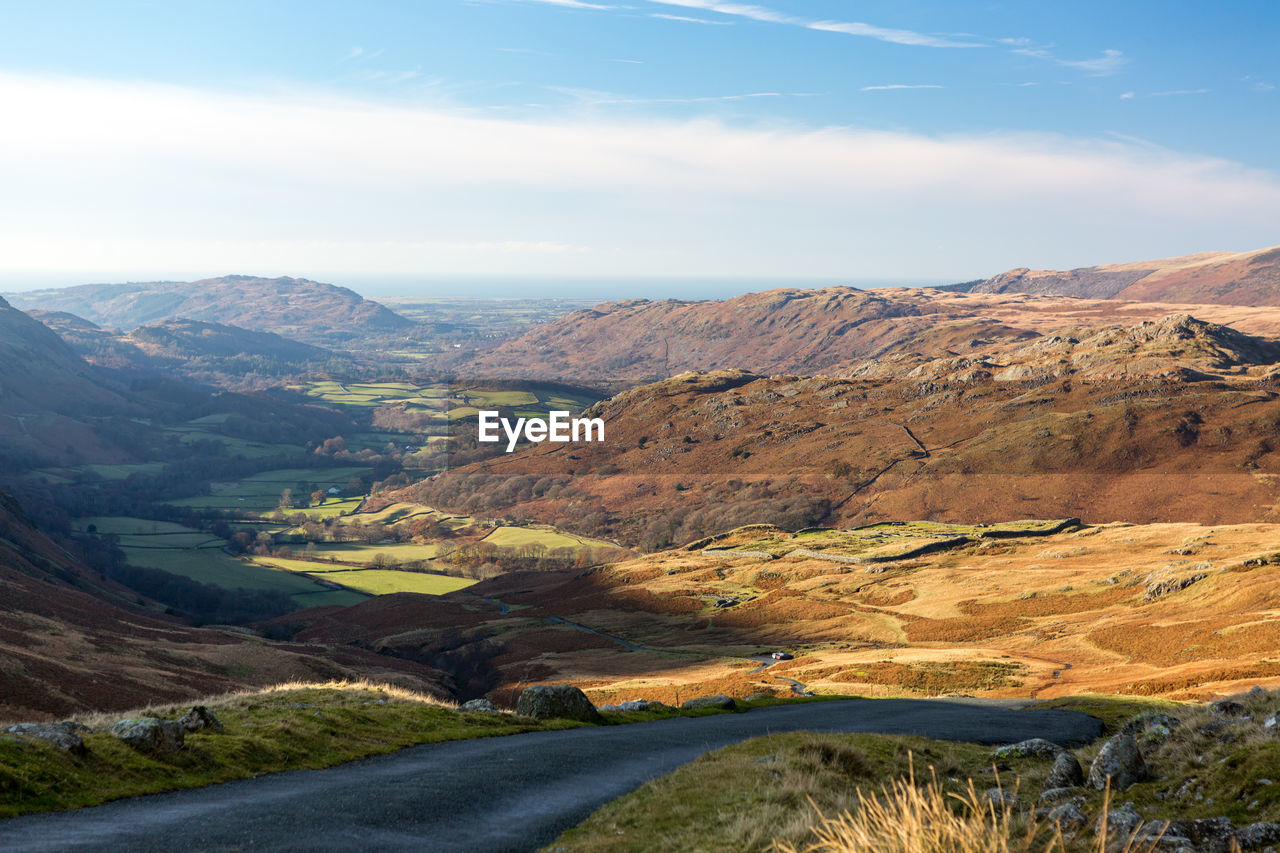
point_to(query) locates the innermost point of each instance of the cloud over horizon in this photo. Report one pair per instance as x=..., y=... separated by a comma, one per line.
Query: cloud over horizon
x=135, y=176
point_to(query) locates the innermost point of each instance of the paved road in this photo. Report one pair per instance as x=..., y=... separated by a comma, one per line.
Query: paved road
x=512, y=793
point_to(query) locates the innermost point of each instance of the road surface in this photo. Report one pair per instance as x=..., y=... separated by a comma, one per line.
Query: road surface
x=513, y=793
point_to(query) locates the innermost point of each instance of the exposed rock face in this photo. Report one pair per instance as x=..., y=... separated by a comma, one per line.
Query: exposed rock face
x=481, y=705
x=550, y=701
x=1037, y=746
x=725, y=703
x=200, y=718
x=1119, y=760
x=64, y=735
x=149, y=734
x=1065, y=773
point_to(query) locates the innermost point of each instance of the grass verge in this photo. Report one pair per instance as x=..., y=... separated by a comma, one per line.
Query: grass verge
x=288, y=727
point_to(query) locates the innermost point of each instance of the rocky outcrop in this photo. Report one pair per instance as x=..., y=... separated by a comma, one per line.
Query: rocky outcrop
x=64, y=735
x=149, y=734
x=1036, y=746
x=1065, y=773
x=200, y=718
x=481, y=705
x=1120, y=761
x=556, y=701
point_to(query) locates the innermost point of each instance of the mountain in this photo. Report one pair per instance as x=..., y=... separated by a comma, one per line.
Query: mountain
x=293, y=307
x=223, y=355
x=1166, y=420
x=810, y=332
x=1218, y=278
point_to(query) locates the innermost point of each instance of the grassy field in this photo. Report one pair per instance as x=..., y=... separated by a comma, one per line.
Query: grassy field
x=265, y=733
x=351, y=552
x=260, y=493
x=205, y=429
x=373, y=581
x=450, y=403
x=514, y=537
x=199, y=556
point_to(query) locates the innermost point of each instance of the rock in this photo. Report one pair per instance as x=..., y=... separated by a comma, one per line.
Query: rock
x=1151, y=728
x=1271, y=722
x=1258, y=834
x=65, y=735
x=1056, y=795
x=199, y=718
x=1256, y=692
x=1210, y=835
x=1037, y=746
x=723, y=702
x=1065, y=773
x=756, y=697
x=1161, y=835
x=1120, y=761
x=1121, y=823
x=1227, y=708
x=1008, y=799
x=1067, y=815
x=149, y=734
x=481, y=705
x=612, y=709
x=642, y=705
x=551, y=701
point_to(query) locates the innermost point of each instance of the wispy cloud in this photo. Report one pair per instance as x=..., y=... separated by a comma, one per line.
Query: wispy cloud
x=354, y=53
x=889, y=86
x=853, y=28
x=593, y=98
x=629, y=61
x=572, y=4
x=1174, y=92
x=1110, y=62
x=90, y=178
x=688, y=20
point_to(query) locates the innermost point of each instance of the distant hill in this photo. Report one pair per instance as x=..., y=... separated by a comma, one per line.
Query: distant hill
x=223, y=355
x=822, y=331
x=293, y=307
x=1217, y=278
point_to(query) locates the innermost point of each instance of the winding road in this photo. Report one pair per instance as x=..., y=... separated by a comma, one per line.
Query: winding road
x=513, y=793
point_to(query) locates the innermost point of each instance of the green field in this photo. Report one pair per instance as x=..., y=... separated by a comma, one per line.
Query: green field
x=205, y=429
x=374, y=581
x=515, y=537
x=199, y=556
x=351, y=552
x=449, y=403
x=261, y=492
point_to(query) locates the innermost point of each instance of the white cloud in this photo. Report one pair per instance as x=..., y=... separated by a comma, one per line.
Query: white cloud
x=853, y=28
x=572, y=4
x=130, y=176
x=900, y=86
x=688, y=20
x=1110, y=62
x=1174, y=92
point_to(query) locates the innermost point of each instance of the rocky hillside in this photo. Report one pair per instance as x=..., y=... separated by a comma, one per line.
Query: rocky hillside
x=808, y=332
x=293, y=307
x=1218, y=278
x=1168, y=420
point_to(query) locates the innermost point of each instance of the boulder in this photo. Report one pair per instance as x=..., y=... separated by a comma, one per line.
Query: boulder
x=556, y=701
x=723, y=702
x=148, y=734
x=1121, y=822
x=1067, y=816
x=1036, y=746
x=65, y=735
x=1119, y=760
x=1227, y=708
x=1151, y=728
x=1056, y=795
x=481, y=705
x=1258, y=834
x=1006, y=799
x=1209, y=835
x=1065, y=773
x=200, y=718
x=642, y=705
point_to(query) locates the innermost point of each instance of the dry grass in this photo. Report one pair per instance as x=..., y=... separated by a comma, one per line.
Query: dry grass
x=102, y=720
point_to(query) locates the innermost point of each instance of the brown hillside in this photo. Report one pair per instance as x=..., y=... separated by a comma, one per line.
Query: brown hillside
x=1175, y=420
x=810, y=331
x=1219, y=278
x=293, y=307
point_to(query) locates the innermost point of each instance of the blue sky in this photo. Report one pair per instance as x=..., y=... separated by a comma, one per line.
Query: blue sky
x=805, y=139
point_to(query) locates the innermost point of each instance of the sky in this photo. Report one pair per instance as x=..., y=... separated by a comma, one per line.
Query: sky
x=448, y=145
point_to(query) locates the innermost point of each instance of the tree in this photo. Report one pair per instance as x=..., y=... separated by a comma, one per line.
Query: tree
x=318, y=497
x=286, y=498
